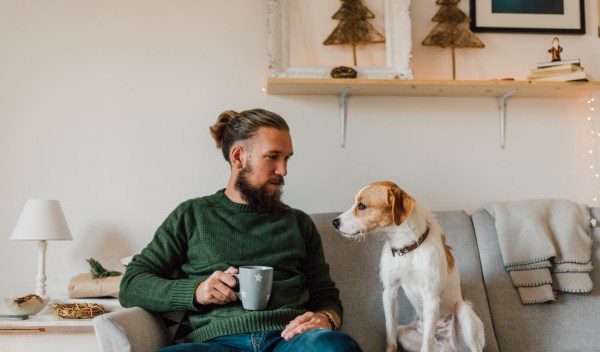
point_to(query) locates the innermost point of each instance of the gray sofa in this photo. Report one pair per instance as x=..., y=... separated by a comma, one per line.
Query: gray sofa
x=570, y=324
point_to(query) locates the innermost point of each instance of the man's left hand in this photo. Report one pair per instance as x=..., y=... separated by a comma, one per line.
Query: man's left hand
x=305, y=322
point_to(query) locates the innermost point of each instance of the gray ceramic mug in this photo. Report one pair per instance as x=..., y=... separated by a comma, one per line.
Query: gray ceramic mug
x=254, y=284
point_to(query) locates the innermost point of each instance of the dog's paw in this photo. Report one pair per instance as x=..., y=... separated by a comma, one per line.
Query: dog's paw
x=391, y=348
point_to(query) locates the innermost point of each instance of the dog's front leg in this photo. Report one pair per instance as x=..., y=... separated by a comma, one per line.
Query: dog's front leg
x=431, y=309
x=390, y=309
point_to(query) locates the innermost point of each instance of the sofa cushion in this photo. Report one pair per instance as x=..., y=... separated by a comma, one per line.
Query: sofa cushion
x=570, y=324
x=355, y=269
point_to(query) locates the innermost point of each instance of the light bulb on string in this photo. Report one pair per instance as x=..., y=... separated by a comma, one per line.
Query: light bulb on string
x=594, y=165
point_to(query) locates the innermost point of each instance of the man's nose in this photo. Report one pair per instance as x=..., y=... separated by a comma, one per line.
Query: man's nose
x=281, y=169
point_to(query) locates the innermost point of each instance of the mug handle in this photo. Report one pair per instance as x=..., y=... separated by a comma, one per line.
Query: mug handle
x=236, y=288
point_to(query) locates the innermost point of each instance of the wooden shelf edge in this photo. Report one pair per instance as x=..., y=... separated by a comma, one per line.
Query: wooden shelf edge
x=441, y=88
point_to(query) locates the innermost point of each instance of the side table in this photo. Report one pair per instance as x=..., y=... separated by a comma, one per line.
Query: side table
x=47, y=332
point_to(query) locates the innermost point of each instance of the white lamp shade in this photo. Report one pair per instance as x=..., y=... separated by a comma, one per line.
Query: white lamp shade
x=41, y=219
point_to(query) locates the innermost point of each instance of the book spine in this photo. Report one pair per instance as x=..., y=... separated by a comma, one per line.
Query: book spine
x=557, y=63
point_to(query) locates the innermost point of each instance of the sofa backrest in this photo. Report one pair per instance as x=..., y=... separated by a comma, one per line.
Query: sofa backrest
x=354, y=267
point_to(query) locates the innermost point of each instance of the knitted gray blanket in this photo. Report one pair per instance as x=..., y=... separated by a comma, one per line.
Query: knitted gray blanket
x=546, y=246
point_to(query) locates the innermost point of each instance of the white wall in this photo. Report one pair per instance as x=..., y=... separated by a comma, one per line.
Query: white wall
x=105, y=105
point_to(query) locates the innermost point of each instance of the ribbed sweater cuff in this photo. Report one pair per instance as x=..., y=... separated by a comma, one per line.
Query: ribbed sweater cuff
x=182, y=295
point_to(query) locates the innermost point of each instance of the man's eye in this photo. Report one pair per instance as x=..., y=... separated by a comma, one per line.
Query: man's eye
x=361, y=206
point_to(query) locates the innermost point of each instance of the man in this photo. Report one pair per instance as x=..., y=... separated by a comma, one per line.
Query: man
x=209, y=238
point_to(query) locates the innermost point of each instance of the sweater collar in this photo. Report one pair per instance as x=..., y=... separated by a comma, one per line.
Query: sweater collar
x=228, y=203
x=239, y=207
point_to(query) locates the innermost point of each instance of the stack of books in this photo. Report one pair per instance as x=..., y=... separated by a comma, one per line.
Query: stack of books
x=563, y=71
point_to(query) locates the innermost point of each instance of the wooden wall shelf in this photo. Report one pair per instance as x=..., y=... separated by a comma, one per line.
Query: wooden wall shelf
x=430, y=88
x=499, y=89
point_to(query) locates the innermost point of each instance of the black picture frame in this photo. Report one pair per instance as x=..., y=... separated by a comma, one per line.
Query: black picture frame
x=572, y=21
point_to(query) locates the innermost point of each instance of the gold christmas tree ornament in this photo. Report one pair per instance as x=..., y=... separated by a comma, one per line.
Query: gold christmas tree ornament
x=452, y=30
x=354, y=27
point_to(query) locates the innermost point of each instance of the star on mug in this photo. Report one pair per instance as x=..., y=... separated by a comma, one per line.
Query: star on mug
x=258, y=277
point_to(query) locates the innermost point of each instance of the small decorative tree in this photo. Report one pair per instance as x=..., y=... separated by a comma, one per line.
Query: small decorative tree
x=354, y=27
x=451, y=30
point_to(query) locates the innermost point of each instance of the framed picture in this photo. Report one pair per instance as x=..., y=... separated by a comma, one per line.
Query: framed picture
x=398, y=43
x=528, y=16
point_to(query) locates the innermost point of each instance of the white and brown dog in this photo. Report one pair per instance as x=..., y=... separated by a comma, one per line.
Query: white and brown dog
x=415, y=257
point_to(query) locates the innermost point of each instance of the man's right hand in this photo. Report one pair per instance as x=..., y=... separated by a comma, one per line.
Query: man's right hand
x=217, y=289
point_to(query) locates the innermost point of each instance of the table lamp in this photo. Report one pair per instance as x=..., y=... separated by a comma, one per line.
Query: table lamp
x=41, y=220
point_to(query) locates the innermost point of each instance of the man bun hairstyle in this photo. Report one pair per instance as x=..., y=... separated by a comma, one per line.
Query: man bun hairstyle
x=232, y=126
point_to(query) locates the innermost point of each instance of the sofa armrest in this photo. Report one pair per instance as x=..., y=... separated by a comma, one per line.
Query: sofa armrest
x=130, y=330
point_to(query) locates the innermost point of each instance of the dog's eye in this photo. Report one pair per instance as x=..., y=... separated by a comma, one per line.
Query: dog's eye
x=361, y=206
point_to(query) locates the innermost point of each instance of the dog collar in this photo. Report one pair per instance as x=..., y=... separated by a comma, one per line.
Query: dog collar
x=402, y=251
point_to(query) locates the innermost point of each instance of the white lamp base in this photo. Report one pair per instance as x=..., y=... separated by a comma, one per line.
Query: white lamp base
x=40, y=286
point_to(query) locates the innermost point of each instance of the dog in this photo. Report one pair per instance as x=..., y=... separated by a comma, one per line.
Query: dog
x=415, y=257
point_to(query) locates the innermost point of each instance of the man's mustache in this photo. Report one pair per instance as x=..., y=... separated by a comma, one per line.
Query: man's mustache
x=278, y=180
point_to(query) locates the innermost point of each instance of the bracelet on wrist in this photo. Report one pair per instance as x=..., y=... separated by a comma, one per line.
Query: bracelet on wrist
x=331, y=320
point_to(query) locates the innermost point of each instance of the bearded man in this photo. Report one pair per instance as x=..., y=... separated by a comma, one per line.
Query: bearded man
x=207, y=239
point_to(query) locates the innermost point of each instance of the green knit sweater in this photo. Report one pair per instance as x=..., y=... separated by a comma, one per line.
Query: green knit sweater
x=211, y=233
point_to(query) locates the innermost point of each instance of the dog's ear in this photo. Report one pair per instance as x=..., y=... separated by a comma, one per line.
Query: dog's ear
x=402, y=204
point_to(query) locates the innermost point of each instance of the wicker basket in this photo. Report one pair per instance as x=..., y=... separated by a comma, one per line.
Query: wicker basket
x=78, y=310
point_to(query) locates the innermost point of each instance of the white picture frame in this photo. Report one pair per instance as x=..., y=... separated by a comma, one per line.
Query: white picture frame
x=398, y=45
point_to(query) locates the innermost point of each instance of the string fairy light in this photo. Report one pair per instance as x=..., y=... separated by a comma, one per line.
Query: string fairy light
x=594, y=162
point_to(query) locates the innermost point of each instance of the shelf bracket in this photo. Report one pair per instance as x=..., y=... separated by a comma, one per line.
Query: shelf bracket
x=343, y=103
x=502, y=110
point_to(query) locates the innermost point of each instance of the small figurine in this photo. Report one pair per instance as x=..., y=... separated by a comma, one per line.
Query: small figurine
x=555, y=49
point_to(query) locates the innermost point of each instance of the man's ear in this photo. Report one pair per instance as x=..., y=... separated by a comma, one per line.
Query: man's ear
x=402, y=205
x=237, y=157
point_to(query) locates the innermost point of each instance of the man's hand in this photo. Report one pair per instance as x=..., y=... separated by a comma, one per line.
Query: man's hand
x=305, y=322
x=217, y=289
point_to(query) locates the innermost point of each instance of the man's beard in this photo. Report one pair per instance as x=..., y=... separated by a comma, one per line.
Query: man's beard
x=259, y=197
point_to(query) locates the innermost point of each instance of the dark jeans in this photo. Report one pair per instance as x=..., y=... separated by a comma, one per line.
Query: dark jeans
x=318, y=340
